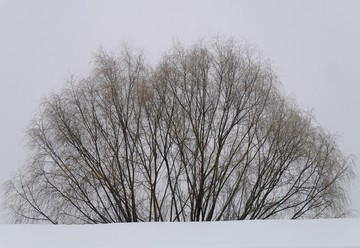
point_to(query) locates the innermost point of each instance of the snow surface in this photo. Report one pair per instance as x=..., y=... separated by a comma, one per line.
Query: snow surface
x=253, y=234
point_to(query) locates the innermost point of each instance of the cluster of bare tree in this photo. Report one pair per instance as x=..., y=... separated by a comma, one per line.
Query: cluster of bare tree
x=205, y=135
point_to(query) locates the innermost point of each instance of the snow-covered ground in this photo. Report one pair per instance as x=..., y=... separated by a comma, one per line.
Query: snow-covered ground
x=270, y=233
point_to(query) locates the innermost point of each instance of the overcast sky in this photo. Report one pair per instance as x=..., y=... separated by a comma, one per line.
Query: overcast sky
x=314, y=46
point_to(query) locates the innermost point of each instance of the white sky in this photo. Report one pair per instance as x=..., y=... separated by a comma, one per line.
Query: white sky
x=315, y=46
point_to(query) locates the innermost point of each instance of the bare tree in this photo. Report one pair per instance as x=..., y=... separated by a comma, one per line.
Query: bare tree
x=205, y=135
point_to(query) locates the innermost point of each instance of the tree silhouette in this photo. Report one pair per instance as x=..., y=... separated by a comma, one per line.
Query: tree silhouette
x=205, y=135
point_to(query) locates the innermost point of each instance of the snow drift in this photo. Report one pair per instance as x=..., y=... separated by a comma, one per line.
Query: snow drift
x=254, y=234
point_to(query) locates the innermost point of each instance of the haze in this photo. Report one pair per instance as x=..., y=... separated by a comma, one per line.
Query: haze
x=314, y=46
